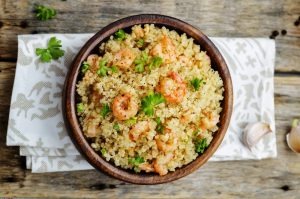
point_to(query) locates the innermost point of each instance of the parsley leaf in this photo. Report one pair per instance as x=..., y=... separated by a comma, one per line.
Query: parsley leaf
x=85, y=67
x=44, y=13
x=140, y=43
x=136, y=161
x=80, y=107
x=159, y=128
x=53, y=50
x=131, y=121
x=120, y=35
x=105, y=110
x=150, y=101
x=155, y=62
x=196, y=83
x=116, y=126
x=103, y=151
x=114, y=69
x=201, y=145
x=140, y=62
x=103, y=69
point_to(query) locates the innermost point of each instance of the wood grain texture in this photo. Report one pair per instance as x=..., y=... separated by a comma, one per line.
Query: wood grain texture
x=273, y=178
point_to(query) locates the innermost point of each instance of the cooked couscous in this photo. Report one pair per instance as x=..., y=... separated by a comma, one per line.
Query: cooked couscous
x=149, y=100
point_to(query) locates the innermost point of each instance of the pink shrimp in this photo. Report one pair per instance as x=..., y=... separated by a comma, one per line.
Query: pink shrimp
x=124, y=107
x=173, y=88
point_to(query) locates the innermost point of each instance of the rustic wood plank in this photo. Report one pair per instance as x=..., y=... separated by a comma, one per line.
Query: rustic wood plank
x=215, y=18
x=278, y=178
x=273, y=178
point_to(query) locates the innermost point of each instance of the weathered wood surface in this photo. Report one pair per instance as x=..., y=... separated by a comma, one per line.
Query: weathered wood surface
x=272, y=178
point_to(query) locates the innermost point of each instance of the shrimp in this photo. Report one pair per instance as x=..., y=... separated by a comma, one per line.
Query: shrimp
x=170, y=144
x=124, y=107
x=165, y=49
x=93, y=61
x=173, y=88
x=160, y=164
x=139, y=129
x=92, y=128
x=124, y=58
x=146, y=167
x=138, y=31
x=210, y=121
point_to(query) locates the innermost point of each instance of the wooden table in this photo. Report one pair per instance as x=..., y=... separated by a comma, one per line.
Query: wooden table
x=272, y=178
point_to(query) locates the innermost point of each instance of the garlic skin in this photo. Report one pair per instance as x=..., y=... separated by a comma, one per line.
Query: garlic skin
x=293, y=138
x=254, y=132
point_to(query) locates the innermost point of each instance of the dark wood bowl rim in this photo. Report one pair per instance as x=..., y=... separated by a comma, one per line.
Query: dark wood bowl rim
x=69, y=103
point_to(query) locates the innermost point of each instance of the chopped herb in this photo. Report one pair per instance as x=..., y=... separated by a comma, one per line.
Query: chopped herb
x=103, y=69
x=136, y=161
x=140, y=43
x=103, y=151
x=196, y=83
x=114, y=69
x=85, y=66
x=120, y=35
x=195, y=133
x=80, y=107
x=140, y=62
x=201, y=145
x=44, y=13
x=150, y=101
x=53, y=50
x=116, y=126
x=104, y=110
x=155, y=62
x=131, y=121
x=159, y=128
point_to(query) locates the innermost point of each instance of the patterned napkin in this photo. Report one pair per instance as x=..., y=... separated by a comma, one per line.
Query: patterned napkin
x=36, y=123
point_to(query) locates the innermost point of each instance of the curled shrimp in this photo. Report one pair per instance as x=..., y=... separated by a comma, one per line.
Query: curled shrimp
x=93, y=61
x=170, y=144
x=124, y=107
x=165, y=49
x=124, y=58
x=139, y=129
x=160, y=164
x=173, y=88
x=210, y=121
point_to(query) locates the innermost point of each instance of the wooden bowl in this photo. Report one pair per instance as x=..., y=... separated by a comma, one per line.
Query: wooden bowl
x=69, y=98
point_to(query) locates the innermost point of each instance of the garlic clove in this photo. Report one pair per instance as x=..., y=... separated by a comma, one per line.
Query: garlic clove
x=293, y=138
x=254, y=132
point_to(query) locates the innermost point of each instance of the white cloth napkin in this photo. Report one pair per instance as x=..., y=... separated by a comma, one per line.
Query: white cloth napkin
x=36, y=123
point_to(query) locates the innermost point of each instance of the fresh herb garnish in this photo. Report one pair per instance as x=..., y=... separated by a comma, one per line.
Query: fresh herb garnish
x=44, y=13
x=103, y=69
x=131, y=121
x=116, y=126
x=155, y=62
x=140, y=43
x=159, y=128
x=150, y=101
x=201, y=145
x=80, y=107
x=140, y=62
x=114, y=69
x=53, y=50
x=85, y=67
x=103, y=151
x=120, y=35
x=196, y=83
x=136, y=161
x=105, y=110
